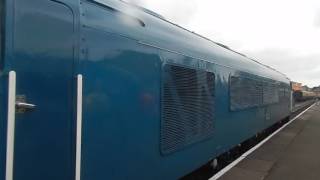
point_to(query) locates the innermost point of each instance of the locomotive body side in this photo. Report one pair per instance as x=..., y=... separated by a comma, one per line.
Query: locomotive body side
x=158, y=101
x=127, y=130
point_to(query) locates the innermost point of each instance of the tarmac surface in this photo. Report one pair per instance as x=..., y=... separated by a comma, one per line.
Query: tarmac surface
x=292, y=154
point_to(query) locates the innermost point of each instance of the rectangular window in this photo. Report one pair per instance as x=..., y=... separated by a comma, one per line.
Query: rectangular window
x=187, y=114
x=245, y=93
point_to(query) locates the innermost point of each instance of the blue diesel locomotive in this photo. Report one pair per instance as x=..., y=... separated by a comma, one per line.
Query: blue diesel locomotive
x=104, y=90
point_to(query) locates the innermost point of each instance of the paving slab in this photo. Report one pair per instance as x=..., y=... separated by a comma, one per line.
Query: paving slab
x=256, y=165
x=243, y=174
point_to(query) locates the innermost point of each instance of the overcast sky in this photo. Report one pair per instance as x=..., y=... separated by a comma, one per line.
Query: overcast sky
x=284, y=34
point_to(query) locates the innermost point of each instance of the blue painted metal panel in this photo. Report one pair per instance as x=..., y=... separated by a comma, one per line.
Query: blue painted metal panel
x=3, y=90
x=42, y=54
x=121, y=63
x=3, y=123
x=121, y=108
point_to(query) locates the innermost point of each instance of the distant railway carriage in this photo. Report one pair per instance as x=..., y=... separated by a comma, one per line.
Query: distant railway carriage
x=100, y=89
x=304, y=95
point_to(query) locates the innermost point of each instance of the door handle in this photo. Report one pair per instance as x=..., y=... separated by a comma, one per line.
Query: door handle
x=22, y=106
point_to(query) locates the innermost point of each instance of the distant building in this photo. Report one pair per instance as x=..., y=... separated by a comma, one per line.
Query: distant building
x=305, y=88
x=316, y=90
x=296, y=86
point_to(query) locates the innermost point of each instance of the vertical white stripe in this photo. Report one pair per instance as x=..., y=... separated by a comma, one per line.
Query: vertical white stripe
x=11, y=124
x=79, y=127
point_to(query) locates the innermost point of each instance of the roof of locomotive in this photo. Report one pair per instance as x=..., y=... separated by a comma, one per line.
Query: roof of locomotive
x=156, y=31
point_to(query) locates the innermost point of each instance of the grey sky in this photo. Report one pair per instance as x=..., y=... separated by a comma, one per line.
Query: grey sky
x=284, y=34
x=317, y=19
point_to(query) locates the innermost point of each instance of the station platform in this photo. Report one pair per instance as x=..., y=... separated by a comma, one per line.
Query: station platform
x=293, y=153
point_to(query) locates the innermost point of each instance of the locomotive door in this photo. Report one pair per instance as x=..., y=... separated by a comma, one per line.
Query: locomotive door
x=41, y=141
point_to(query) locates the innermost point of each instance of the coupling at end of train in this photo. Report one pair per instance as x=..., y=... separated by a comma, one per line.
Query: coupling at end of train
x=104, y=90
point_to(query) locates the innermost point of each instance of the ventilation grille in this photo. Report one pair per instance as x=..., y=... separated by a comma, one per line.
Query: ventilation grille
x=270, y=93
x=284, y=93
x=245, y=93
x=187, y=107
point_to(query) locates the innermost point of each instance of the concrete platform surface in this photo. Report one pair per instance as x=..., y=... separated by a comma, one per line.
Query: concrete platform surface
x=292, y=154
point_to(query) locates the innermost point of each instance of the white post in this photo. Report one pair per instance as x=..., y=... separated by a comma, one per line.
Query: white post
x=79, y=127
x=11, y=125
